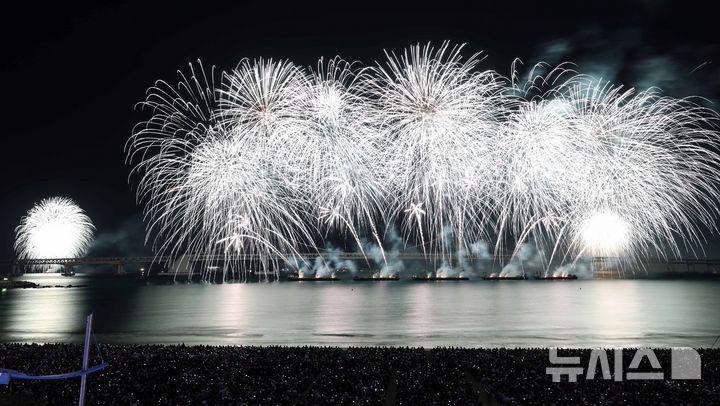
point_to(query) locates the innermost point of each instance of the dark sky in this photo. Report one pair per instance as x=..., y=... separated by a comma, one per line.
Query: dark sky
x=72, y=73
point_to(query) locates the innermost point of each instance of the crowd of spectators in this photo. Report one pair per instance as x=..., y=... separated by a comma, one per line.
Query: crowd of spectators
x=210, y=375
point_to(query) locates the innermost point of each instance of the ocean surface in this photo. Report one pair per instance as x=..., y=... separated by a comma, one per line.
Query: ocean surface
x=474, y=313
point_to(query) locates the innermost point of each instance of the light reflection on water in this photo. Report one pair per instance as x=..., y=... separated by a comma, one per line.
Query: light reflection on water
x=473, y=313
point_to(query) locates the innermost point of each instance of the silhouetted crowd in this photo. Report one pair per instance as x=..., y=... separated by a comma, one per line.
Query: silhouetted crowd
x=210, y=375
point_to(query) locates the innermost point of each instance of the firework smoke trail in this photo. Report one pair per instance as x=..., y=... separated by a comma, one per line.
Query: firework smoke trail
x=438, y=117
x=54, y=228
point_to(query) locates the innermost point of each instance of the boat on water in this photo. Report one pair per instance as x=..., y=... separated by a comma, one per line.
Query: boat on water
x=440, y=278
x=295, y=278
x=68, y=273
x=557, y=278
x=505, y=278
x=376, y=278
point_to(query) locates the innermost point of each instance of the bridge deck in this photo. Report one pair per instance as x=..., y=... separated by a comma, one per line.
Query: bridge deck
x=344, y=256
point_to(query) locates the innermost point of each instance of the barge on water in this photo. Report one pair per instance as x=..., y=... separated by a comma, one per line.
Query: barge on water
x=557, y=278
x=376, y=278
x=505, y=278
x=294, y=278
x=440, y=278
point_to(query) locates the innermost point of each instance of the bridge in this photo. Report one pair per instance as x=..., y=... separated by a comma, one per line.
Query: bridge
x=25, y=265
x=600, y=263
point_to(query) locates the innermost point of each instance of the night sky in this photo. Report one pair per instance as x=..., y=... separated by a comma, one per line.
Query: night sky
x=72, y=74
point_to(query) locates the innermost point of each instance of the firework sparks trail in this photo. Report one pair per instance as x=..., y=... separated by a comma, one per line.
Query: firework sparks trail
x=621, y=173
x=438, y=115
x=208, y=181
x=54, y=228
x=335, y=149
x=649, y=183
x=274, y=158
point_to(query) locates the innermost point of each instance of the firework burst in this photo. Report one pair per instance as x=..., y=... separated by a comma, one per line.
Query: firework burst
x=600, y=170
x=211, y=184
x=648, y=170
x=54, y=228
x=273, y=158
x=336, y=149
x=438, y=116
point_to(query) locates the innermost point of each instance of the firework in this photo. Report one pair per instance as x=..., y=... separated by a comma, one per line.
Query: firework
x=273, y=158
x=210, y=179
x=161, y=148
x=54, y=228
x=598, y=170
x=336, y=151
x=650, y=170
x=438, y=116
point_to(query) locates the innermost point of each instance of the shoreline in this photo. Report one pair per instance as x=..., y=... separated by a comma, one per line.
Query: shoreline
x=15, y=284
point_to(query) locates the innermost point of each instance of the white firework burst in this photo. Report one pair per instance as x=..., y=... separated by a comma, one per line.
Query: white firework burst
x=259, y=103
x=209, y=188
x=54, y=228
x=274, y=158
x=336, y=151
x=650, y=169
x=605, y=171
x=183, y=119
x=438, y=117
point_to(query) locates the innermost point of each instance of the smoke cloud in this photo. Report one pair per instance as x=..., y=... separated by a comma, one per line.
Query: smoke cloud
x=528, y=260
x=125, y=241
